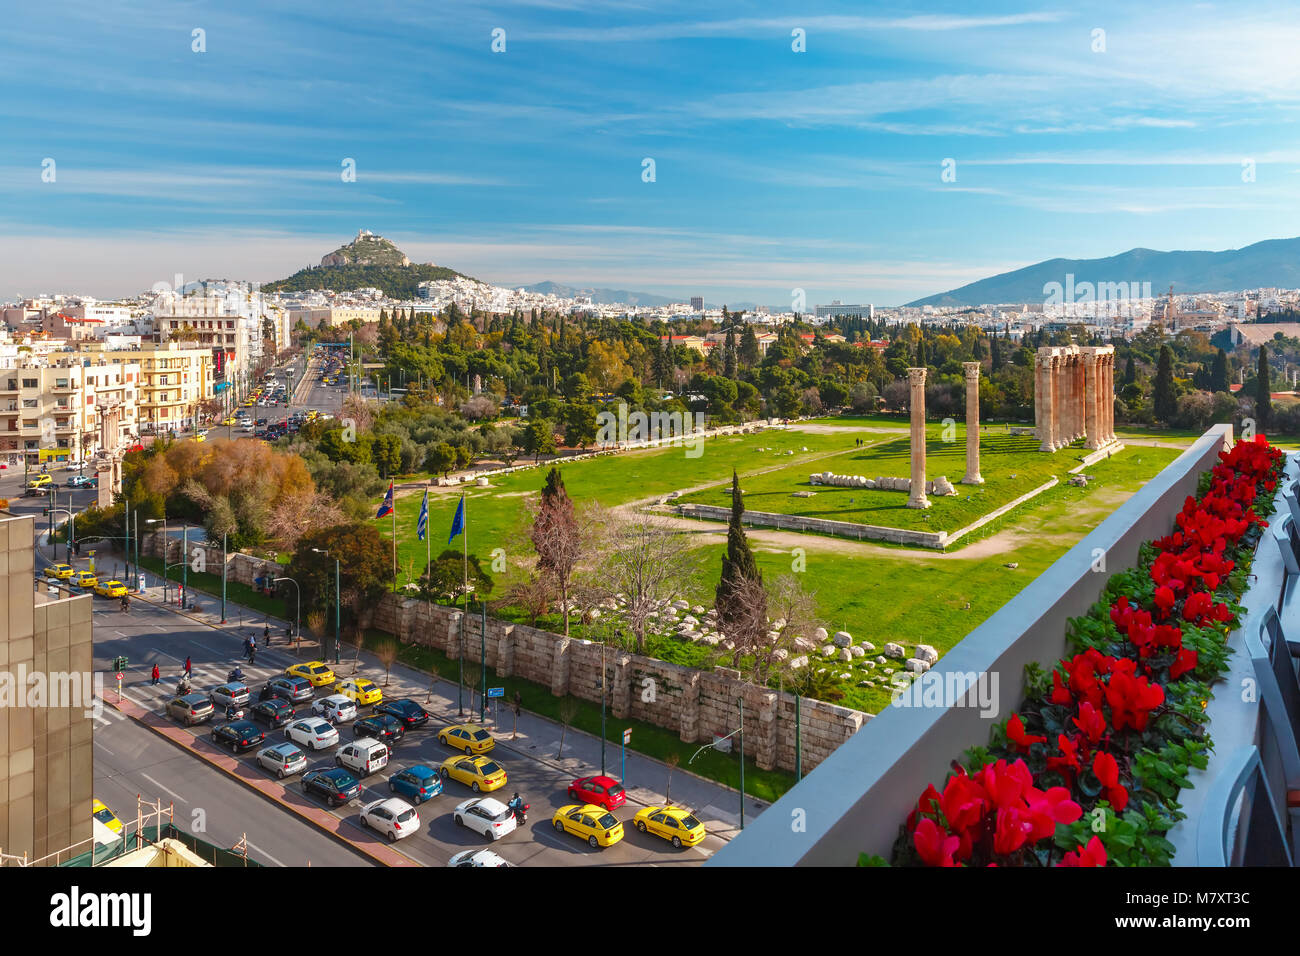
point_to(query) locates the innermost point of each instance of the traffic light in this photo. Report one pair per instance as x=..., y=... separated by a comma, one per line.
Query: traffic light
x=119, y=663
x=45, y=512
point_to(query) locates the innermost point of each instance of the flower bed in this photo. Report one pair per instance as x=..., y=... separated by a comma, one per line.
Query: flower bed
x=1088, y=770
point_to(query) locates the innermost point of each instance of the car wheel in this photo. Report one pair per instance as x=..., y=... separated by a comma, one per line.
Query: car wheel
x=572, y=795
x=338, y=761
x=595, y=844
x=460, y=821
x=391, y=788
x=559, y=826
x=640, y=826
x=474, y=786
x=443, y=741
x=677, y=842
x=392, y=837
x=443, y=772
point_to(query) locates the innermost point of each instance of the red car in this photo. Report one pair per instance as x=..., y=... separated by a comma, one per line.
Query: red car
x=602, y=791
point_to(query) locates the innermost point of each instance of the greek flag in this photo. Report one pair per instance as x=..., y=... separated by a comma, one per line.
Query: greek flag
x=422, y=523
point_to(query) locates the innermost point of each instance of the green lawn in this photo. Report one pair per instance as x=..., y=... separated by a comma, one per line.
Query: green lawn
x=1011, y=466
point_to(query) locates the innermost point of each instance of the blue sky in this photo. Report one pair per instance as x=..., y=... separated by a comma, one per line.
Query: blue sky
x=774, y=170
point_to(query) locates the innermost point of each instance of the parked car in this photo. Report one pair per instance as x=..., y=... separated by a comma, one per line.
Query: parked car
x=231, y=693
x=480, y=774
x=417, y=783
x=239, y=736
x=274, y=712
x=381, y=727
x=477, y=858
x=335, y=785
x=486, y=816
x=312, y=732
x=467, y=738
x=295, y=690
x=364, y=757
x=677, y=825
x=190, y=709
x=392, y=817
x=594, y=824
x=335, y=708
x=283, y=760
x=602, y=791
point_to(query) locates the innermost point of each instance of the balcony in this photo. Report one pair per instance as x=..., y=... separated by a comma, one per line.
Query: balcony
x=856, y=800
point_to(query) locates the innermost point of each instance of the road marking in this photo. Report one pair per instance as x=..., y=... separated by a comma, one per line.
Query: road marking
x=254, y=846
x=164, y=789
x=105, y=749
x=101, y=720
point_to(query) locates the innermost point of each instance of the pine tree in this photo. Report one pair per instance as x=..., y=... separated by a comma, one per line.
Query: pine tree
x=1263, y=392
x=738, y=567
x=1219, y=374
x=1165, y=402
x=1130, y=371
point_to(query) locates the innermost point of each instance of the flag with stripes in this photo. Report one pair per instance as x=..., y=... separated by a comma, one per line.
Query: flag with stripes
x=422, y=523
x=387, y=506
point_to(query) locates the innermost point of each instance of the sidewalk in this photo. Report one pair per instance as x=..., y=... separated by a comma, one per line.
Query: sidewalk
x=717, y=805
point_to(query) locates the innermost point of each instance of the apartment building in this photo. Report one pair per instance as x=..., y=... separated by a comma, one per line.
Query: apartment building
x=66, y=409
x=176, y=380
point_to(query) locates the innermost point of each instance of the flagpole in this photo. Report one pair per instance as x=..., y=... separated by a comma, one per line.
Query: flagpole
x=394, y=539
x=428, y=541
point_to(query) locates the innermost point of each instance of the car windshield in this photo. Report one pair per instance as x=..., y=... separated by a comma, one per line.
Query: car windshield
x=481, y=735
x=295, y=755
x=615, y=790
x=607, y=822
x=103, y=816
x=488, y=768
x=402, y=818
x=689, y=822
x=322, y=669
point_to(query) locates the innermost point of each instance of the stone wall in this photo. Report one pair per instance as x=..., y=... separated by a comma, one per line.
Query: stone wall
x=695, y=704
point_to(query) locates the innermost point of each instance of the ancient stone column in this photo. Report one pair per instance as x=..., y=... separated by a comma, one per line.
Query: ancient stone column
x=1044, y=411
x=1108, y=397
x=917, y=498
x=973, y=477
x=1091, y=389
x=1058, y=397
x=1065, y=433
x=1076, y=392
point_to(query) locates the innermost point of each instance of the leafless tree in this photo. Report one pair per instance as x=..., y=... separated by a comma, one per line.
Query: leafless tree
x=757, y=653
x=472, y=674
x=560, y=536
x=644, y=559
x=672, y=760
x=568, y=710
x=533, y=593
x=386, y=651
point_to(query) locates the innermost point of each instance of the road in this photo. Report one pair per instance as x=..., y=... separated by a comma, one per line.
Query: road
x=149, y=635
x=131, y=760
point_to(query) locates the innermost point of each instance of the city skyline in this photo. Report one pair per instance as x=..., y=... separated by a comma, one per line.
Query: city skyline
x=822, y=170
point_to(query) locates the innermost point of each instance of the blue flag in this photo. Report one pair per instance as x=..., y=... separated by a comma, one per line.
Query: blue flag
x=422, y=523
x=458, y=522
x=387, y=506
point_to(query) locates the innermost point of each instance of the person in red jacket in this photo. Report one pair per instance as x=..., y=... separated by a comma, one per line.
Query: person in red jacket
x=155, y=674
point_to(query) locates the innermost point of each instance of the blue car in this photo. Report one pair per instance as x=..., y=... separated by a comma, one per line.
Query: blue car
x=417, y=784
x=337, y=786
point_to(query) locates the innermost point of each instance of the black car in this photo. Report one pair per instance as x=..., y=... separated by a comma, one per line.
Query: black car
x=382, y=727
x=410, y=713
x=336, y=785
x=240, y=736
x=273, y=711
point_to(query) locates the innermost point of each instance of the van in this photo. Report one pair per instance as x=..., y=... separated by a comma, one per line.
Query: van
x=363, y=757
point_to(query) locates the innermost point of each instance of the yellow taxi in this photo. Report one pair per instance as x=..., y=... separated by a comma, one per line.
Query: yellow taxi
x=228, y=421
x=317, y=673
x=675, y=824
x=594, y=824
x=467, y=737
x=105, y=816
x=60, y=571
x=480, y=774
x=40, y=481
x=110, y=589
x=360, y=690
x=85, y=579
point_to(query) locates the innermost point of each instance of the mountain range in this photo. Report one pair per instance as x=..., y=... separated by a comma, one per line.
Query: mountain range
x=1273, y=262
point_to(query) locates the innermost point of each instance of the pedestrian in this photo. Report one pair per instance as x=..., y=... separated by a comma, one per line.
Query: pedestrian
x=189, y=667
x=252, y=655
x=266, y=637
x=155, y=675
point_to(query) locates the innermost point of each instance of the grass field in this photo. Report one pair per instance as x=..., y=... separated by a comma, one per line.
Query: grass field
x=1011, y=466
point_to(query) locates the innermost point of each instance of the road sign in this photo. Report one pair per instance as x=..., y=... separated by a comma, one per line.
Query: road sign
x=496, y=692
x=627, y=736
x=119, y=675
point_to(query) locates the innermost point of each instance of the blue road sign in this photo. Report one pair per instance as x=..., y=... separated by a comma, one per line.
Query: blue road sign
x=496, y=692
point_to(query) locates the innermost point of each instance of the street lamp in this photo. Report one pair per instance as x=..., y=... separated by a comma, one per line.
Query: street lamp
x=338, y=601
x=297, y=626
x=166, y=548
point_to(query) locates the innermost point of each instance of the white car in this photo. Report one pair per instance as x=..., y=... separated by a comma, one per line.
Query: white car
x=313, y=732
x=231, y=693
x=486, y=816
x=335, y=708
x=283, y=759
x=477, y=858
x=392, y=817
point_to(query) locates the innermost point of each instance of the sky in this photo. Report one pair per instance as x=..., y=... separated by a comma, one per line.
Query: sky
x=906, y=149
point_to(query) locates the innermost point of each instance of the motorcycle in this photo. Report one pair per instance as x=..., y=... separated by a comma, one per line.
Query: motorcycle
x=520, y=810
x=234, y=713
x=235, y=676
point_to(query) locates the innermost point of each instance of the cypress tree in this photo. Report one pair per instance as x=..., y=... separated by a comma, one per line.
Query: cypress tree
x=1263, y=392
x=997, y=354
x=1130, y=371
x=1164, y=400
x=738, y=566
x=1219, y=374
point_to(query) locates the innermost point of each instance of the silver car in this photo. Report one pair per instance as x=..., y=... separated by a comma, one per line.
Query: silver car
x=227, y=694
x=190, y=709
x=313, y=732
x=335, y=708
x=283, y=759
